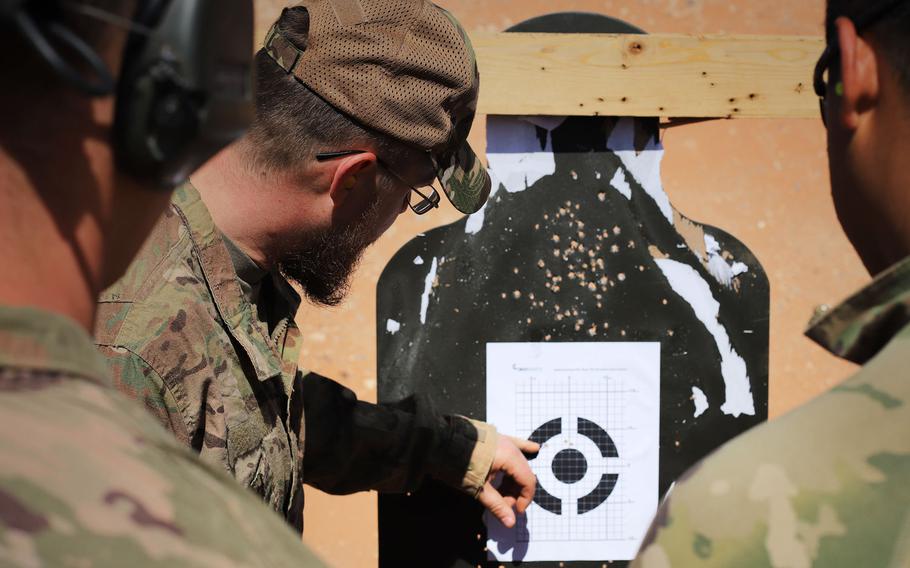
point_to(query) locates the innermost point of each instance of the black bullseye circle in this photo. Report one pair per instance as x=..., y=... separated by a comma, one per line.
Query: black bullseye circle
x=569, y=465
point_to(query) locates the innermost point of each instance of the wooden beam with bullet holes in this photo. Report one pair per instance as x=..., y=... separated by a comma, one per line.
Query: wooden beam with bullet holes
x=666, y=75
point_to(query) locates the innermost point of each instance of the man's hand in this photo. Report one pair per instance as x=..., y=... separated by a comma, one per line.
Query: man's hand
x=518, y=484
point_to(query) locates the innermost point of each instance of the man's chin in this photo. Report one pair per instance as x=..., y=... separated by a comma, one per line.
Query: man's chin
x=324, y=288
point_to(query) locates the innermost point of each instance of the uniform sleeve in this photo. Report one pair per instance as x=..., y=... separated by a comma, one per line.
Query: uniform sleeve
x=351, y=445
x=138, y=380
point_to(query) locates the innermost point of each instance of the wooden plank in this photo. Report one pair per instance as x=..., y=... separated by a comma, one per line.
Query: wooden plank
x=665, y=75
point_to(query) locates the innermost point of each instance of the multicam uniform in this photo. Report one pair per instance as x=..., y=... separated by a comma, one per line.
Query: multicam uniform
x=88, y=478
x=220, y=371
x=826, y=485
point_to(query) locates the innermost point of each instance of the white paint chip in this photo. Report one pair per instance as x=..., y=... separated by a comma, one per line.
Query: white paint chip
x=427, y=290
x=686, y=282
x=700, y=400
x=392, y=326
x=620, y=184
x=644, y=166
x=723, y=272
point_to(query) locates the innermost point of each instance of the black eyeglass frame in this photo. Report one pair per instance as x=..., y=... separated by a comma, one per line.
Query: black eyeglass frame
x=426, y=203
x=831, y=51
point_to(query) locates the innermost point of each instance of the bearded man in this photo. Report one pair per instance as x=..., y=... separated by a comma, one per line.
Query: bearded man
x=360, y=106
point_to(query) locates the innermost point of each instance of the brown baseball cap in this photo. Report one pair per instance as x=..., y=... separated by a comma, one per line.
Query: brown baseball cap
x=404, y=68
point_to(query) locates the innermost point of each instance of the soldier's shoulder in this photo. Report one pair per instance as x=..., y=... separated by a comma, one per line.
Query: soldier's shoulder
x=158, y=294
x=824, y=484
x=88, y=476
x=163, y=256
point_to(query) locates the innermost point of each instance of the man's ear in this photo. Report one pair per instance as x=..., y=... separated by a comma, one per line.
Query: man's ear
x=354, y=173
x=858, y=87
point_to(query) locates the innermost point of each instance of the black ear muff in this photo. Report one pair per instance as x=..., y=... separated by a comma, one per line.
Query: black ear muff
x=38, y=23
x=185, y=87
x=185, y=90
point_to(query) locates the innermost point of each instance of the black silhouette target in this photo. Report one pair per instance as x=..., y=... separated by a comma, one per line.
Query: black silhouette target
x=569, y=465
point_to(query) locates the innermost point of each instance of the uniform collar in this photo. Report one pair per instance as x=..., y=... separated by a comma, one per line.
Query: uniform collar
x=861, y=326
x=224, y=285
x=31, y=338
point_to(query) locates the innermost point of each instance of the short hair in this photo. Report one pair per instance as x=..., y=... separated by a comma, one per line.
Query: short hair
x=293, y=122
x=890, y=32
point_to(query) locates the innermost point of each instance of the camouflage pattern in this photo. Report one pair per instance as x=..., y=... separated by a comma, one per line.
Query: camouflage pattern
x=281, y=50
x=181, y=337
x=87, y=478
x=826, y=485
x=465, y=180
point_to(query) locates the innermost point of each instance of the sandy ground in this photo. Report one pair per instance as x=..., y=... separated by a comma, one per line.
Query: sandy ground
x=765, y=181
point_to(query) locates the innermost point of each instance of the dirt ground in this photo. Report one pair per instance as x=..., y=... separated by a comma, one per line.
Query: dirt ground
x=765, y=181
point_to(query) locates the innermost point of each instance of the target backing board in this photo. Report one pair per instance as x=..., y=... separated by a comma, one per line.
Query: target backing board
x=595, y=409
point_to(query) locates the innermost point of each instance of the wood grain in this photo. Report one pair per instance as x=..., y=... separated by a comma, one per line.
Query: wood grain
x=667, y=75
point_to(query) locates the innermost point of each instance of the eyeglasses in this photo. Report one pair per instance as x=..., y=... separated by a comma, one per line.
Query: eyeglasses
x=820, y=80
x=419, y=202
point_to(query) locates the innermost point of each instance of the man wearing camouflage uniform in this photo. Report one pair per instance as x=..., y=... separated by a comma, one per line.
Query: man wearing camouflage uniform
x=87, y=477
x=829, y=484
x=360, y=105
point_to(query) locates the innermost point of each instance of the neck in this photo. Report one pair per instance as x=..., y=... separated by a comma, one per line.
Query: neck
x=253, y=208
x=891, y=177
x=51, y=244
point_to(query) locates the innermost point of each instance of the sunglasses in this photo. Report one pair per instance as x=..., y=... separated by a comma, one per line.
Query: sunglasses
x=832, y=51
x=419, y=201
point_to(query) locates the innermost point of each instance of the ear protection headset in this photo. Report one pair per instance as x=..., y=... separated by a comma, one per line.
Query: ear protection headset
x=185, y=87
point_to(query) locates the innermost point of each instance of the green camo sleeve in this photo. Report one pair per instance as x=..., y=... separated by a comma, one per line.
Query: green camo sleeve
x=138, y=380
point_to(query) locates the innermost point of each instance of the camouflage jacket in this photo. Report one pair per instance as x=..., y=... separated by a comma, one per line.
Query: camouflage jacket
x=87, y=478
x=826, y=485
x=181, y=337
